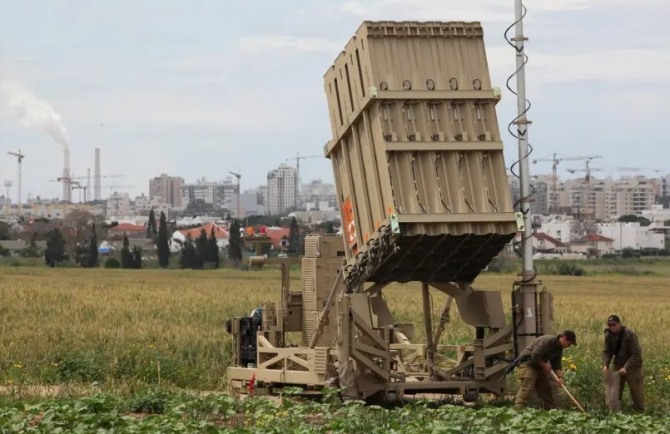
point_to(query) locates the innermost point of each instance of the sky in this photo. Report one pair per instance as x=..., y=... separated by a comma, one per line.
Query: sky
x=199, y=88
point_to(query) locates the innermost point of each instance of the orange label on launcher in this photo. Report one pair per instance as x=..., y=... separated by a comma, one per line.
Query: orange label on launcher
x=349, y=224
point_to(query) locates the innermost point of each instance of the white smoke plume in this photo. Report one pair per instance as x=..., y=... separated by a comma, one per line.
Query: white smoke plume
x=34, y=112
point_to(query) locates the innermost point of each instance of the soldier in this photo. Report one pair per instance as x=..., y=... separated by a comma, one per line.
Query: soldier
x=536, y=362
x=623, y=350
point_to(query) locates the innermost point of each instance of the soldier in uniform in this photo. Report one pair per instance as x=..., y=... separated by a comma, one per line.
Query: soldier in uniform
x=623, y=351
x=536, y=362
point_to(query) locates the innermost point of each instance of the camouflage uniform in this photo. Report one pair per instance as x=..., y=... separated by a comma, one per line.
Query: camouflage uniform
x=625, y=349
x=533, y=378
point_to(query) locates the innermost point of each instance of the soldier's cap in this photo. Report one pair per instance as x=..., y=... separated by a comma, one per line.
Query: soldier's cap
x=570, y=336
x=613, y=318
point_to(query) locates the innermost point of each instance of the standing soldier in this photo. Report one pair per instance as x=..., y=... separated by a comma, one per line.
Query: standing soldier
x=621, y=344
x=536, y=362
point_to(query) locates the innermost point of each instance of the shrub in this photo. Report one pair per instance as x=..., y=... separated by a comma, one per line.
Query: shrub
x=112, y=263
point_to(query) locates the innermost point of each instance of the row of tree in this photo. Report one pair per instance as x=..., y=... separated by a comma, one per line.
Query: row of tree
x=196, y=254
x=203, y=252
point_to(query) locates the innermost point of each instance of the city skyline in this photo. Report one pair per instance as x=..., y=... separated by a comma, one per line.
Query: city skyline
x=167, y=88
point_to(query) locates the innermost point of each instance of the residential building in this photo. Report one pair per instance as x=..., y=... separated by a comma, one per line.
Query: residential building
x=632, y=235
x=218, y=194
x=540, y=191
x=144, y=205
x=558, y=226
x=282, y=186
x=118, y=205
x=547, y=244
x=594, y=246
x=202, y=191
x=605, y=199
x=665, y=185
x=130, y=230
x=168, y=188
x=634, y=195
x=319, y=195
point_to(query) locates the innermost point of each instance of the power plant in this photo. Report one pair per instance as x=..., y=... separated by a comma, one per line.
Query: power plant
x=96, y=176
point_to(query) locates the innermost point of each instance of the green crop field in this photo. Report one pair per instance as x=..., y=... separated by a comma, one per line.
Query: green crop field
x=146, y=351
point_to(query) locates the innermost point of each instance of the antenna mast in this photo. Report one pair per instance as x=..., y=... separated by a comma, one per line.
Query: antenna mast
x=522, y=123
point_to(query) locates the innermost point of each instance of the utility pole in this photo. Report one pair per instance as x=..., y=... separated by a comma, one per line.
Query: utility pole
x=19, y=157
x=528, y=273
x=532, y=311
x=238, y=176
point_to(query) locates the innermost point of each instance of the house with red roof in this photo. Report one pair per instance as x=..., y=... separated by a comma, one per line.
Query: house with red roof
x=594, y=245
x=130, y=230
x=221, y=234
x=545, y=243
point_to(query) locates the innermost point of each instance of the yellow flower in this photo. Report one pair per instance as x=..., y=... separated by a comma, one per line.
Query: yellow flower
x=573, y=366
x=18, y=365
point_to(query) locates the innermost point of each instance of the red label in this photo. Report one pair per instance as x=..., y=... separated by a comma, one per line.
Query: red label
x=349, y=224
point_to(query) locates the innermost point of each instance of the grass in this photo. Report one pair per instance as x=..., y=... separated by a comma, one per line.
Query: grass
x=124, y=330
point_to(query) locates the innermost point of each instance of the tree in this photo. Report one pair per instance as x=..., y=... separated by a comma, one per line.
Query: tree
x=294, y=238
x=201, y=249
x=162, y=243
x=76, y=227
x=55, y=252
x=235, y=243
x=126, y=256
x=136, y=257
x=93, y=249
x=187, y=259
x=213, y=249
x=632, y=218
x=4, y=231
x=151, y=224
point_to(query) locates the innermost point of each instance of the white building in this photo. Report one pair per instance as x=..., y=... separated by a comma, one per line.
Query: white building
x=558, y=226
x=282, y=187
x=118, y=204
x=657, y=215
x=144, y=205
x=632, y=235
x=218, y=194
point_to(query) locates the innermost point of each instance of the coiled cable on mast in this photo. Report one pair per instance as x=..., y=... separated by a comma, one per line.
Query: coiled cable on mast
x=516, y=120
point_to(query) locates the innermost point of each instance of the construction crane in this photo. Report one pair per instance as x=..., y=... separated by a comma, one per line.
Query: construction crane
x=587, y=184
x=116, y=186
x=554, y=176
x=639, y=169
x=19, y=156
x=299, y=157
x=238, y=176
x=76, y=185
x=101, y=176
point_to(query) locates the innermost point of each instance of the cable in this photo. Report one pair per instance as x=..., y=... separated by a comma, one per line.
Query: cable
x=516, y=119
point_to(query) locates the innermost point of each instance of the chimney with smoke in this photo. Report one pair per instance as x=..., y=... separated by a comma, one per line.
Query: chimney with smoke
x=96, y=176
x=38, y=113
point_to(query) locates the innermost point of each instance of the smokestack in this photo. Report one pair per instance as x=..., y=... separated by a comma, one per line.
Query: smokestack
x=67, y=191
x=96, y=176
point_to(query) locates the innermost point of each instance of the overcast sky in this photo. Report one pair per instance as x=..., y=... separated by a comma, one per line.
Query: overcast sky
x=197, y=88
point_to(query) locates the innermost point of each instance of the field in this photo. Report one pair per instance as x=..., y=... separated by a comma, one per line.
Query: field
x=104, y=343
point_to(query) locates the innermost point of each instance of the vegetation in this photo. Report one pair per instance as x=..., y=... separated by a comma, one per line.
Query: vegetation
x=158, y=411
x=151, y=225
x=83, y=331
x=235, y=243
x=163, y=247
